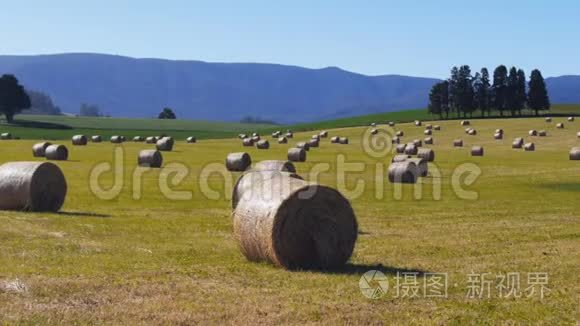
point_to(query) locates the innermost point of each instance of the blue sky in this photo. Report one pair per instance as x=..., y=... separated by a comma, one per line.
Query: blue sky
x=419, y=38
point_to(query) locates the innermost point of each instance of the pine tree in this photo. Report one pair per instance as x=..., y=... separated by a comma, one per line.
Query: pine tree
x=521, y=91
x=512, y=91
x=435, y=106
x=453, y=90
x=538, y=94
x=499, y=89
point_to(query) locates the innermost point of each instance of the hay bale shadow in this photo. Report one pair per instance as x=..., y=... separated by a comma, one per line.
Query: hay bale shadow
x=360, y=269
x=83, y=214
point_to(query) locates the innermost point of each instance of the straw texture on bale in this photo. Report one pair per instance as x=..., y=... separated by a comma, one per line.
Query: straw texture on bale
x=532, y=132
x=248, y=142
x=421, y=164
x=396, y=140
x=165, y=144
x=116, y=139
x=79, y=140
x=343, y=140
x=191, y=139
x=498, y=136
x=275, y=165
x=465, y=123
x=39, y=149
x=292, y=224
x=400, y=158
x=403, y=172
x=334, y=139
x=297, y=155
x=428, y=141
x=571, y=119
x=56, y=153
x=560, y=126
x=324, y=134
x=313, y=143
x=437, y=127
x=238, y=161
x=400, y=149
x=32, y=186
x=399, y=133
x=458, y=143
x=96, y=139
x=476, y=151
x=518, y=143
x=428, y=132
x=411, y=149
x=374, y=131
x=542, y=133
x=418, y=143
x=303, y=145
x=150, y=158
x=6, y=136
x=263, y=144
x=575, y=154
x=282, y=140
x=529, y=147
x=150, y=140
x=426, y=153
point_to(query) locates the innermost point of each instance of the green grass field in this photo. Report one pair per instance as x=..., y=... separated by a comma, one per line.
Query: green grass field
x=154, y=260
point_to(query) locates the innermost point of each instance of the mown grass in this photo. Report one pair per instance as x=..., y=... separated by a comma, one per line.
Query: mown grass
x=154, y=260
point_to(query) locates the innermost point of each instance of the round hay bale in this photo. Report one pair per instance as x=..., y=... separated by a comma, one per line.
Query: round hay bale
x=418, y=143
x=96, y=139
x=317, y=137
x=238, y=162
x=499, y=131
x=123, y=139
x=467, y=130
x=428, y=132
x=334, y=139
x=400, y=133
x=548, y=119
x=560, y=125
x=396, y=140
x=575, y=154
x=282, y=140
x=373, y=124
x=32, y=186
x=400, y=158
x=6, y=136
x=570, y=119
x=116, y=139
x=426, y=153
x=391, y=124
x=191, y=140
x=255, y=134
x=150, y=158
x=374, y=131
x=56, y=153
x=248, y=142
x=542, y=133
x=256, y=139
x=165, y=144
x=418, y=123
x=428, y=140
x=411, y=149
x=151, y=140
x=39, y=149
x=518, y=143
x=472, y=132
x=532, y=132
x=138, y=139
x=303, y=145
x=263, y=144
x=421, y=164
x=297, y=154
x=403, y=172
x=497, y=136
x=428, y=127
x=400, y=148
x=79, y=140
x=529, y=147
x=242, y=136
x=313, y=143
x=343, y=140
x=275, y=165
x=276, y=134
x=290, y=223
x=465, y=123
x=437, y=127
x=578, y=134
x=458, y=143
x=289, y=135
x=477, y=151
x=323, y=134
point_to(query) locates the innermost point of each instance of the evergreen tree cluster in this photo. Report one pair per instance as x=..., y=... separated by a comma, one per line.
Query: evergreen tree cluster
x=506, y=91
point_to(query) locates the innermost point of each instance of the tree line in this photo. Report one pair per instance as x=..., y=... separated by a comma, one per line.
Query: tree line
x=463, y=93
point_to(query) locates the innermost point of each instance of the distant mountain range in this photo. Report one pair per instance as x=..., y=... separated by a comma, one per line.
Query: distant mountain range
x=128, y=87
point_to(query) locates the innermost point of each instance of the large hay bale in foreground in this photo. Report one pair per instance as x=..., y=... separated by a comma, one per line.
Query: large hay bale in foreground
x=150, y=158
x=575, y=154
x=32, y=186
x=165, y=144
x=191, y=140
x=403, y=172
x=458, y=143
x=529, y=147
x=96, y=139
x=518, y=142
x=400, y=148
x=275, y=165
x=297, y=154
x=411, y=149
x=426, y=153
x=263, y=144
x=116, y=139
x=39, y=149
x=477, y=151
x=248, y=142
x=421, y=164
x=343, y=140
x=293, y=224
x=56, y=153
x=79, y=140
x=238, y=162
x=6, y=136
x=303, y=145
